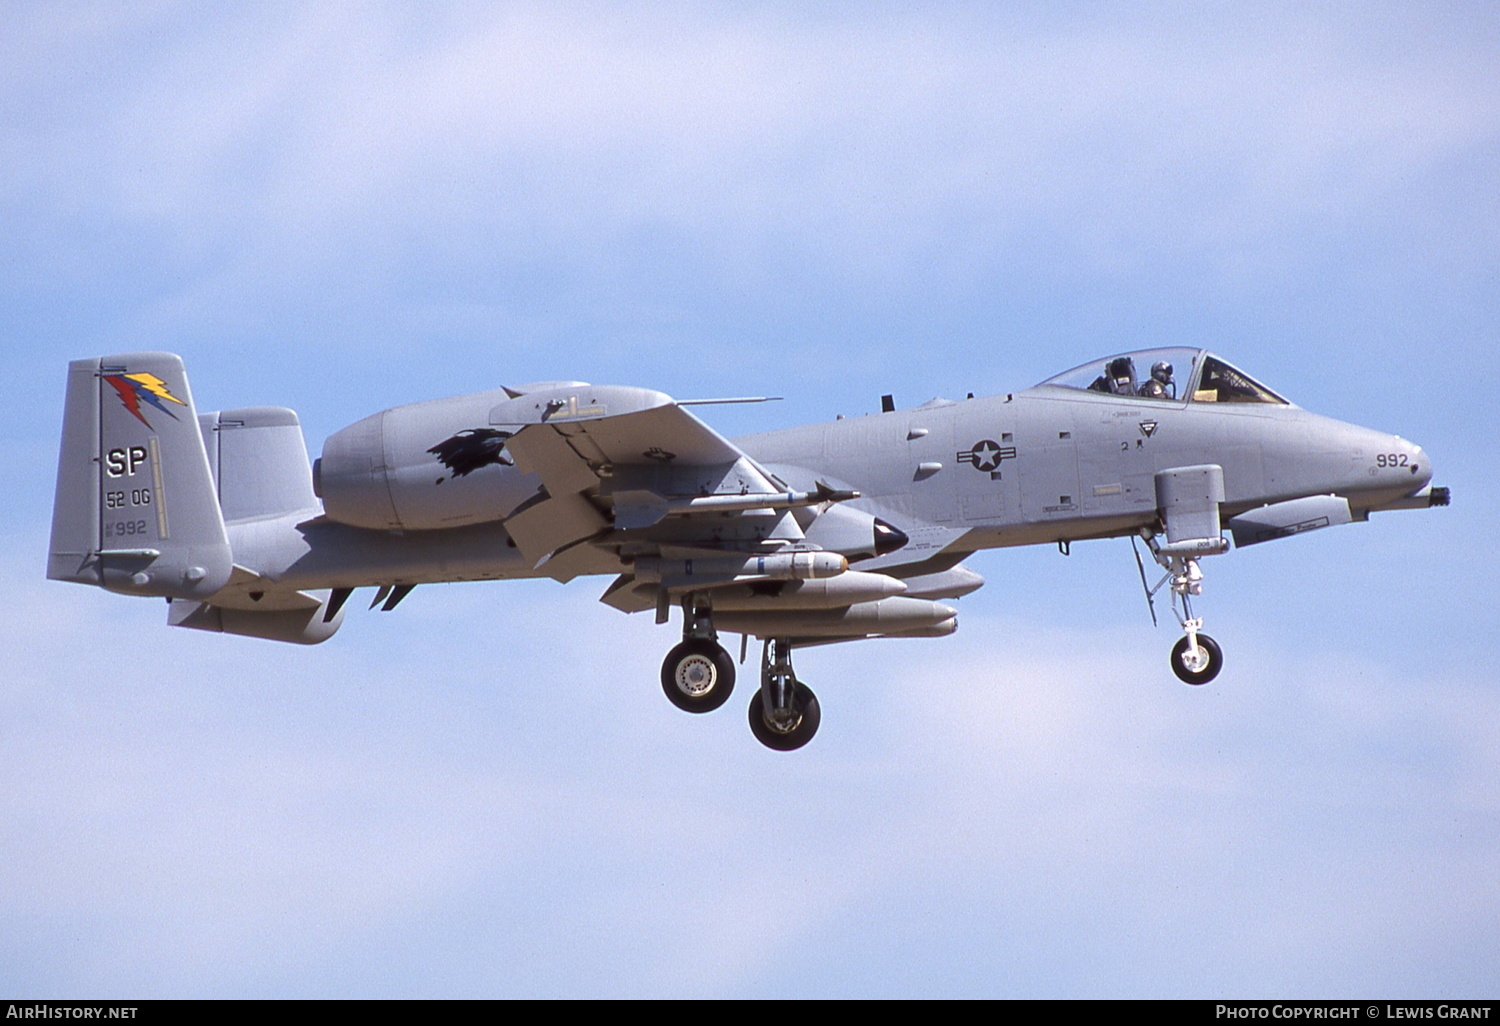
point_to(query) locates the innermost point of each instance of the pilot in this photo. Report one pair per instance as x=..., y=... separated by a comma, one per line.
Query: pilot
x=1161, y=385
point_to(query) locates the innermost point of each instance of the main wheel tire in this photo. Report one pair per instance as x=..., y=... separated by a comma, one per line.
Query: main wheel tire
x=1210, y=669
x=697, y=675
x=804, y=724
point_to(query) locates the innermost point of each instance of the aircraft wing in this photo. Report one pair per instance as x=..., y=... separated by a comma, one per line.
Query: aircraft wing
x=612, y=457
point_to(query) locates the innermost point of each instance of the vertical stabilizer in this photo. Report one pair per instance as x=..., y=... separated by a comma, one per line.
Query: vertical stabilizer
x=259, y=463
x=135, y=508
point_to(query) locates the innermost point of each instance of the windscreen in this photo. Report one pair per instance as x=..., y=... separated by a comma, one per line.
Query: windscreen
x=1162, y=374
x=1221, y=383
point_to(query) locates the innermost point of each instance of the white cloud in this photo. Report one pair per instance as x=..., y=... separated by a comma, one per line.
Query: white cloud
x=527, y=806
x=880, y=142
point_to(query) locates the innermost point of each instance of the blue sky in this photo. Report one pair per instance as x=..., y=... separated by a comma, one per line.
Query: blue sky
x=340, y=208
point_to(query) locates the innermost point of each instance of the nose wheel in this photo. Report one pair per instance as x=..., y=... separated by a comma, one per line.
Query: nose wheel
x=1196, y=659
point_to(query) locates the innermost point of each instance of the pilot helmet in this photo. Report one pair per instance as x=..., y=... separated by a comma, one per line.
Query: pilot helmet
x=1161, y=370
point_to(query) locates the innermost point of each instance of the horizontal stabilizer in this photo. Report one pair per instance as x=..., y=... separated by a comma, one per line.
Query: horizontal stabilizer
x=297, y=626
x=249, y=590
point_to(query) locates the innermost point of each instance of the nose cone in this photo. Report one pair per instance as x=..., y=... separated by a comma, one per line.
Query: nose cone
x=1423, y=468
x=1389, y=463
x=1413, y=460
x=1404, y=473
x=1370, y=468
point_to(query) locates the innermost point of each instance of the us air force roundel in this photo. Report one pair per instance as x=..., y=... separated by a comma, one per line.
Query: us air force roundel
x=987, y=454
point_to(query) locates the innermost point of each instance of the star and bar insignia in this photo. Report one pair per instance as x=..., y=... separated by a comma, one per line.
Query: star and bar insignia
x=987, y=454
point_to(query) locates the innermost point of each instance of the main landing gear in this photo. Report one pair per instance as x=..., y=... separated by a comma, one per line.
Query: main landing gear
x=698, y=677
x=1196, y=658
x=784, y=714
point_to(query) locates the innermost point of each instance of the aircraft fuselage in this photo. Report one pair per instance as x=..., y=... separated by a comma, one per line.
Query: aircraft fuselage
x=1048, y=465
x=1037, y=466
x=829, y=532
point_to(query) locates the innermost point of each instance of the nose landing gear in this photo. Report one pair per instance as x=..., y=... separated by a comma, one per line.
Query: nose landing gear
x=1196, y=658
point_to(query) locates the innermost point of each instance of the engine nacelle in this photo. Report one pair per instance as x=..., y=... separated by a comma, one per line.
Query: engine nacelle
x=421, y=467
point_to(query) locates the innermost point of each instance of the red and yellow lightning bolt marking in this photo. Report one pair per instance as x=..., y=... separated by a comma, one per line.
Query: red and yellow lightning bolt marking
x=133, y=388
x=156, y=386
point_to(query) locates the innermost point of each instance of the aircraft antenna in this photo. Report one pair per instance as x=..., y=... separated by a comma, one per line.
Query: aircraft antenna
x=736, y=399
x=1150, y=603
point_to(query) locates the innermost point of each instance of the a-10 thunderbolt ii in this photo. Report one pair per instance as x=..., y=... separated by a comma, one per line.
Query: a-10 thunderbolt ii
x=832, y=532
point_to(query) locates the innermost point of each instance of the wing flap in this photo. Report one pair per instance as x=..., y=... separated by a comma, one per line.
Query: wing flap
x=543, y=526
x=619, y=426
x=630, y=452
x=627, y=459
x=580, y=559
x=540, y=450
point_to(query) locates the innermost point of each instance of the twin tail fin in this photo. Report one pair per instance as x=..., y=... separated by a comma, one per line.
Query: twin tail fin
x=135, y=509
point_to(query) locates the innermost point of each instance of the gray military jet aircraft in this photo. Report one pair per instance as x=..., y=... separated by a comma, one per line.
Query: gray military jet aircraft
x=807, y=536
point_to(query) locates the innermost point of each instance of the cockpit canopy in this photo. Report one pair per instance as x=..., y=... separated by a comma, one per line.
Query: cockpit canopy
x=1173, y=374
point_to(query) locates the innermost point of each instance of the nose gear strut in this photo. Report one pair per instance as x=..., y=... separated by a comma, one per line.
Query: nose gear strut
x=1196, y=658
